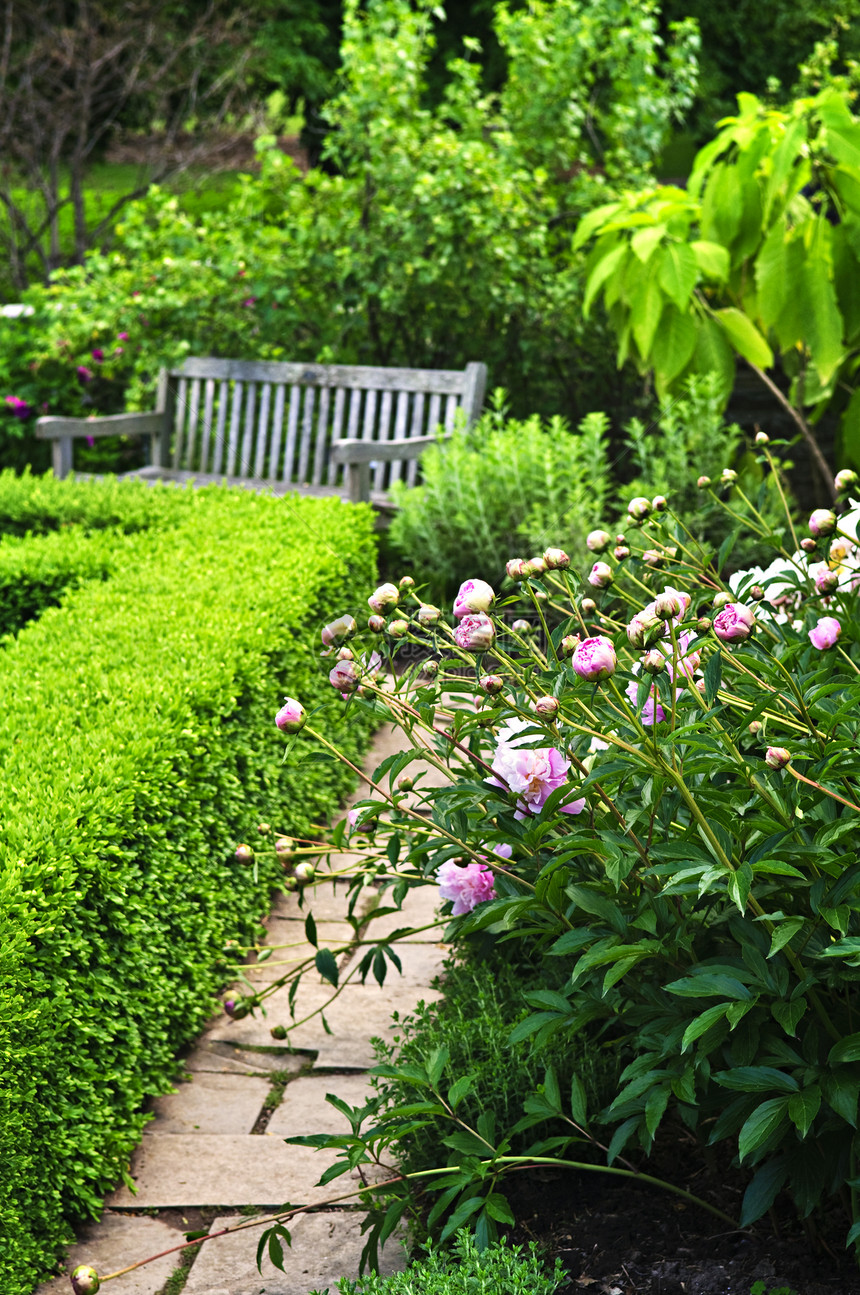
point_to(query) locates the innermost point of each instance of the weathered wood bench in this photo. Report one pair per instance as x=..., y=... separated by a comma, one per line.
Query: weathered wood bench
x=315, y=428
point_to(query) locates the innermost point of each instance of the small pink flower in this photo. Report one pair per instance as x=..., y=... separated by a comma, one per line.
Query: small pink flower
x=595, y=659
x=825, y=633
x=826, y=580
x=466, y=885
x=368, y=824
x=291, y=717
x=652, y=709
x=249, y=301
x=98, y=354
x=473, y=596
x=123, y=337
x=84, y=373
x=734, y=623
x=90, y=440
x=475, y=633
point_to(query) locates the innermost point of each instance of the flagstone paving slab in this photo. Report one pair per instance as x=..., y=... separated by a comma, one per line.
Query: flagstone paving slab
x=210, y=1104
x=176, y=1169
x=325, y=1247
x=116, y=1241
x=214, y=1057
x=305, y=1109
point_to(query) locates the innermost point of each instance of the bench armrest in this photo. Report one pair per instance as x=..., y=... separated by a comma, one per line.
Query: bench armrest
x=62, y=432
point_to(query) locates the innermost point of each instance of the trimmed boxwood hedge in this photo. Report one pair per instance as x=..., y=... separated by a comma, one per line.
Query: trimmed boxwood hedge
x=36, y=571
x=138, y=746
x=41, y=504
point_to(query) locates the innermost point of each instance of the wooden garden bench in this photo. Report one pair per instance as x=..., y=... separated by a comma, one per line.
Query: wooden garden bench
x=322, y=429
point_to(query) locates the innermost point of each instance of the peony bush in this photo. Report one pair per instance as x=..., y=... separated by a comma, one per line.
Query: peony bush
x=650, y=776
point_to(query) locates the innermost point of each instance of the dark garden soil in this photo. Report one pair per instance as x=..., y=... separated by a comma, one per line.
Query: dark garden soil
x=617, y=1237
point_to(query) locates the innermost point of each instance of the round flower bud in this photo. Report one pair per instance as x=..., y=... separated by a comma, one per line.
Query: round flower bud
x=654, y=661
x=756, y=727
x=728, y=476
x=430, y=669
x=398, y=628
x=475, y=633
x=659, y=503
x=264, y=829
x=384, y=598
x=244, y=854
x=644, y=628
x=406, y=582
x=653, y=557
x=667, y=605
x=808, y=545
x=284, y=845
x=721, y=599
x=289, y=883
x=700, y=686
x=536, y=566
x=762, y=438
x=291, y=717
x=85, y=1280
x=595, y=659
x=734, y=623
x=756, y=593
x=639, y=508
x=826, y=581
x=405, y=783
x=344, y=654
x=304, y=872
x=474, y=596
x=568, y=645
x=523, y=627
x=588, y=606
x=359, y=822
x=492, y=684
x=376, y=624
x=427, y=614
x=546, y=707
x=517, y=568
x=278, y=1031
x=620, y=539
x=703, y=482
x=777, y=757
x=556, y=559
x=825, y=633
x=844, y=480
x=344, y=677
x=236, y=1008
x=600, y=575
x=620, y=552
x=343, y=628
x=703, y=624
x=598, y=541
x=822, y=522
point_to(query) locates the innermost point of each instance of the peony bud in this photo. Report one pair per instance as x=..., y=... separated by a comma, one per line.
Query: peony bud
x=556, y=559
x=756, y=727
x=639, y=508
x=546, y=707
x=278, y=1031
x=659, y=503
x=588, y=606
x=85, y=1280
x=600, y=576
x=568, y=645
x=703, y=624
x=703, y=482
x=667, y=605
x=654, y=661
x=808, y=545
x=644, y=628
x=473, y=596
x=344, y=677
x=822, y=522
x=428, y=614
x=826, y=581
x=777, y=757
x=376, y=624
x=264, y=829
x=291, y=717
x=492, y=684
x=595, y=659
x=734, y=623
x=536, y=566
x=343, y=628
x=236, y=1008
x=397, y=629
x=523, y=627
x=620, y=552
x=598, y=541
x=284, y=845
x=344, y=654
x=430, y=669
x=384, y=598
x=366, y=825
x=721, y=599
x=304, y=872
x=728, y=476
x=405, y=783
x=289, y=883
x=844, y=480
x=762, y=438
x=244, y=854
x=406, y=582
x=475, y=633
x=825, y=633
x=517, y=568
x=653, y=558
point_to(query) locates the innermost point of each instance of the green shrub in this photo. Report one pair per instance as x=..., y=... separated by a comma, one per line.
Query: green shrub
x=140, y=746
x=43, y=503
x=465, y=1270
x=35, y=572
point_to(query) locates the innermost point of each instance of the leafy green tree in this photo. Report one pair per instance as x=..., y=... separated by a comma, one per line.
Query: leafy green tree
x=758, y=258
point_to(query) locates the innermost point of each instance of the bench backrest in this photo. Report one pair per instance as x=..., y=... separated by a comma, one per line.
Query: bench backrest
x=272, y=421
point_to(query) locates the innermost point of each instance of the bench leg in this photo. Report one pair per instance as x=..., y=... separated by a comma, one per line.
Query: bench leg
x=61, y=456
x=358, y=483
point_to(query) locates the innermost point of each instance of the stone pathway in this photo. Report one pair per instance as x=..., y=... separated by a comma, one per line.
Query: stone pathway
x=210, y=1146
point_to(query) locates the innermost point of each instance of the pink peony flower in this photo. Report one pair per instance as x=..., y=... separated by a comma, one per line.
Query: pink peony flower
x=473, y=596
x=475, y=633
x=822, y=522
x=123, y=337
x=825, y=633
x=344, y=677
x=97, y=354
x=532, y=774
x=734, y=623
x=84, y=373
x=291, y=717
x=594, y=659
x=467, y=885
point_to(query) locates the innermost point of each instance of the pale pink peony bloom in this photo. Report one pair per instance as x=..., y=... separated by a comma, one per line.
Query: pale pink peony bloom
x=532, y=774
x=344, y=677
x=291, y=717
x=466, y=885
x=734, y=623
x=825, y=633
x=594, y=659
x=475, y=633
x=473, y=596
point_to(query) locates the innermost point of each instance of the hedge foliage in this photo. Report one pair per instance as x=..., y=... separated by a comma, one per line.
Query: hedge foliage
x=36, y=571
x=139, y=748
x=36, y=504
